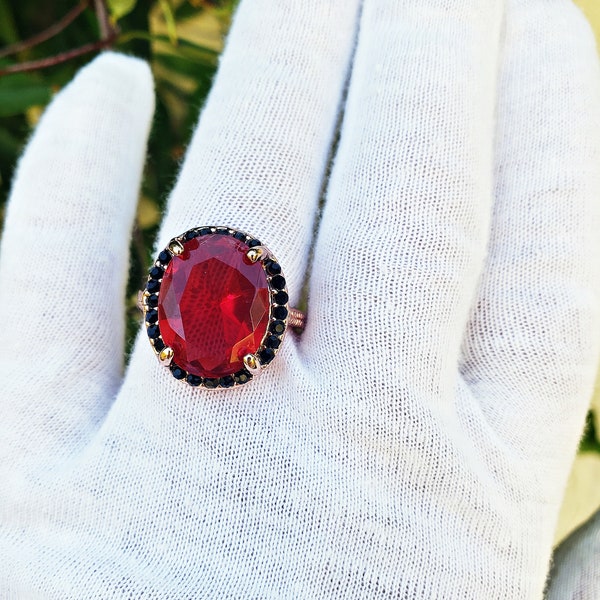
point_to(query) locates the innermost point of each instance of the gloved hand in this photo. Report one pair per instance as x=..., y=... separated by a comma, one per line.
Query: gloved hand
x=415, y=441
x=576, y=564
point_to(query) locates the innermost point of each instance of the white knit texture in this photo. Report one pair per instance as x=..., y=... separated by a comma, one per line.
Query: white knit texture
x=576, y=570
x=415, y=441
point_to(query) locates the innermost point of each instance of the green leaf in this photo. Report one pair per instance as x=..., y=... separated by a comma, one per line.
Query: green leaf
x=119, y=8
x=196, y=69
x=19, y=92
x=589, y=442
x=198, y=53
x=186, y=10
x=8, y=29
x=165, y=7
x=9, y=144
x=185, y=48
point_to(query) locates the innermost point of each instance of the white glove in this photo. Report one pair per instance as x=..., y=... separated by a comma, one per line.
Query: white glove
x=576, y=569
x=416, y=440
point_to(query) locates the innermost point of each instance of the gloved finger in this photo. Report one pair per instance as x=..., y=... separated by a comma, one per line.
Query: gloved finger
x=255, y=162
x=531, y=348
x=405, y=222
x=64, y=258
x=260, y=149
x=575, y=572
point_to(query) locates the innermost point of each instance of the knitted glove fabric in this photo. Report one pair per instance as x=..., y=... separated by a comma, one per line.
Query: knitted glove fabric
x=415, y=441
x=576, y=570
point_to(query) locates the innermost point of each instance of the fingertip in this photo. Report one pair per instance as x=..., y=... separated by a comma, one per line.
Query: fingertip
x=122, y=76
x=575, y=22
x=110, y=100
x=110, y=88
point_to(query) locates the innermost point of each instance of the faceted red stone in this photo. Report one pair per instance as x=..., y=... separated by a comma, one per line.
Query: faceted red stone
x=213, y=306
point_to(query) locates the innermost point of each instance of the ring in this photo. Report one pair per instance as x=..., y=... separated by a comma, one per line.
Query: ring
x=216, y=307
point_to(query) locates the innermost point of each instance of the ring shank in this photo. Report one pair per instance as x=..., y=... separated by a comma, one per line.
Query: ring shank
x=296, y=319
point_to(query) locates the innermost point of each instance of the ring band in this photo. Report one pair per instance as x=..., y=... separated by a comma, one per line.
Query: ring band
x=216, y=307
x=296, y=319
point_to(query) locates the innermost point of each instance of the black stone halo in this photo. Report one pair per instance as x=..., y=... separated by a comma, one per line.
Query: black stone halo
x=280, y=315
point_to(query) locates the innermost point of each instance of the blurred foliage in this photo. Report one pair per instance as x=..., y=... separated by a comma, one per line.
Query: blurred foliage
x=181, y=40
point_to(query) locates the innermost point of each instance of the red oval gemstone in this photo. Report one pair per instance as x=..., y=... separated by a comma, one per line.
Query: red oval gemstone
x=214, y=306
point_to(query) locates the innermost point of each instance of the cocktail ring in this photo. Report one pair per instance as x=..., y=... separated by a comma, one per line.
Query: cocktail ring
x=216, y=307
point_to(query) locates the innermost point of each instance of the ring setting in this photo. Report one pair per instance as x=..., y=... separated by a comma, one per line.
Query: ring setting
x=216, y=307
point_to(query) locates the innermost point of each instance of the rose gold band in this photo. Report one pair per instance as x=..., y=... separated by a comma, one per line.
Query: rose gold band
x=296, y=319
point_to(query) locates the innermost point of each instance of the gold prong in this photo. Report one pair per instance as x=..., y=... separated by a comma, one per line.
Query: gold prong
x=251, y=363
x=257, y=253
x=175, y=247
x=165, y=356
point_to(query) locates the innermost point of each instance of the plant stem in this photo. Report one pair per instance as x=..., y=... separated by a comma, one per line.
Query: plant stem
x=53, y=30
x=43, y=63
x=108, y=35
x=104, y=24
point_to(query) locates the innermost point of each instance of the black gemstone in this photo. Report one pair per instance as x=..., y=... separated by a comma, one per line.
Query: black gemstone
x=272, y=342
x=253, y=243
x=273, y=268
x=222, y=232
x=238, y=235
x=152, y=316
x=211, y=383
x=281, y=298
x=190, y=235
x=152, y=301
x=156, y=273
x=227, y=381
x=193, y=380
x=278, y=282
x=277, y=327
x=153, y=331
x=266, y=356
x=153, y=286
x=158, y=345
x=204, y=231
x=165, y=257
x=177, y=371
x=280, y=312
x=242, y=377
